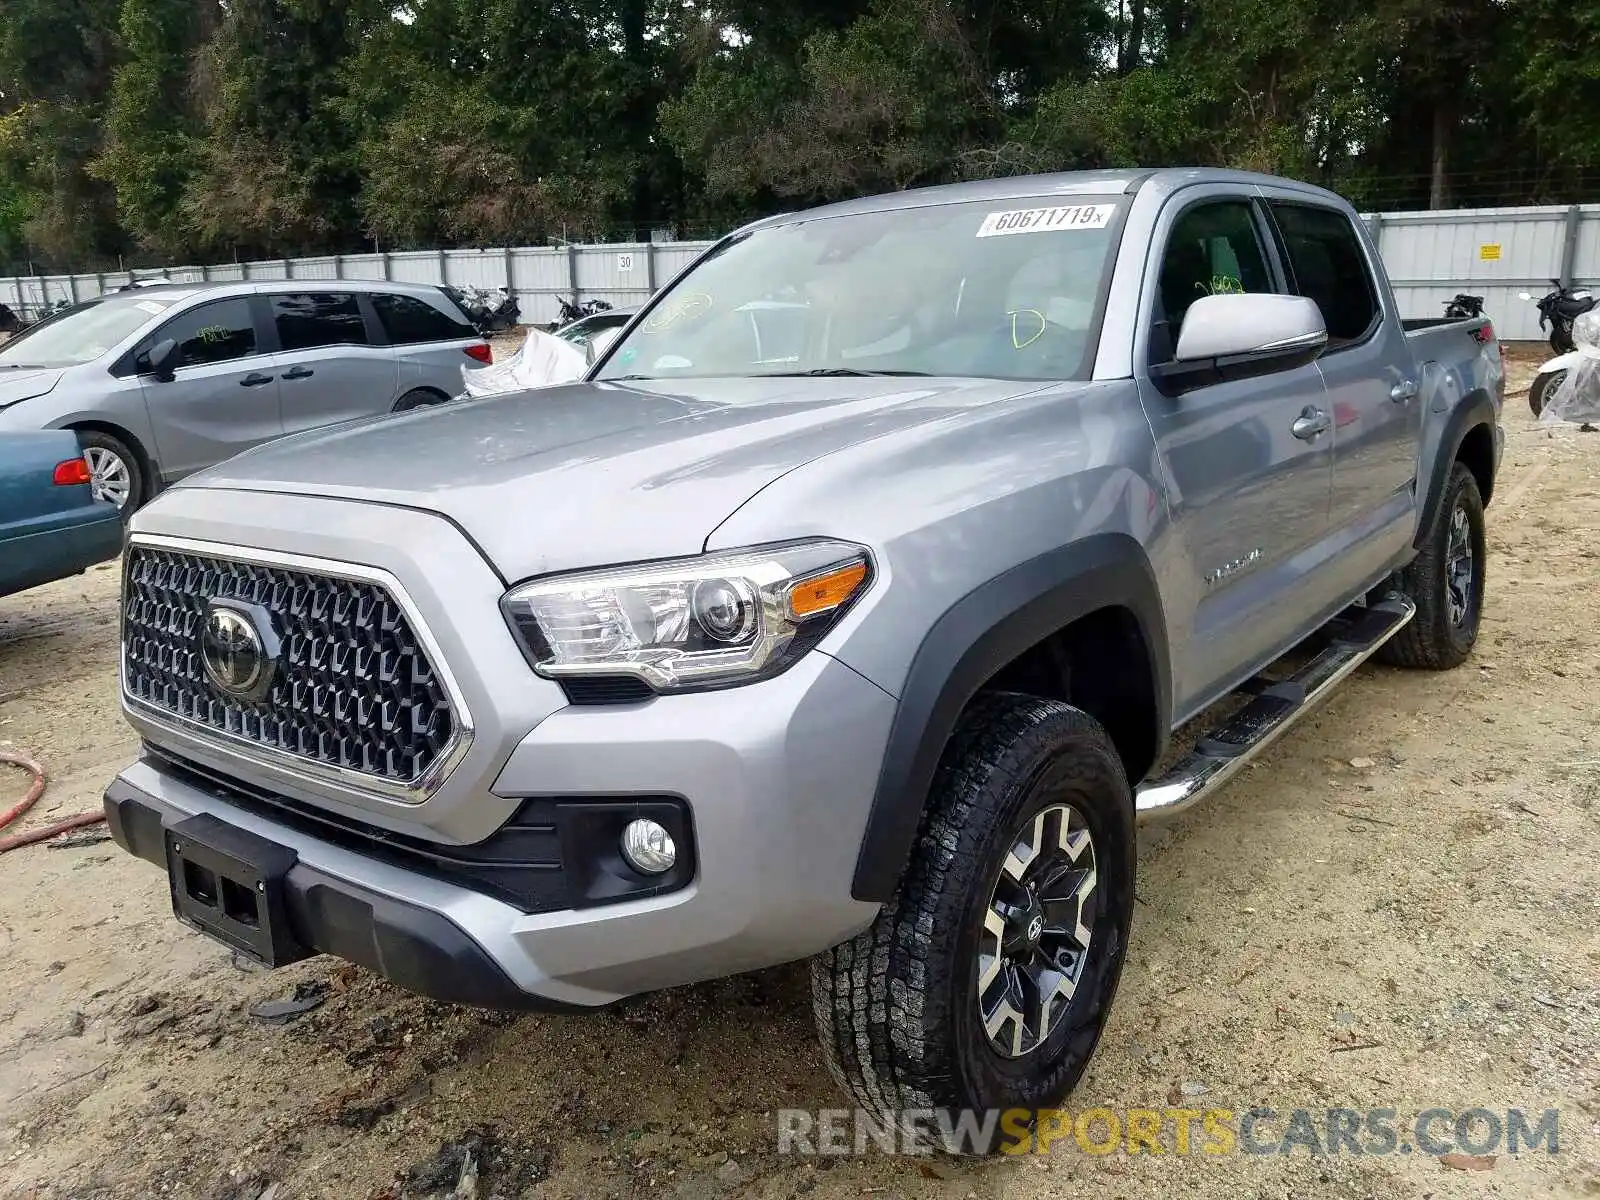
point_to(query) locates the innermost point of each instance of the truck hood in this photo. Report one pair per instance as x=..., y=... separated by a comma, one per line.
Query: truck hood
x=590, y=474
x=25, y=383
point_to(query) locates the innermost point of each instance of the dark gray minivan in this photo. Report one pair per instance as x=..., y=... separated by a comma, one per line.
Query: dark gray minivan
x=161, y=381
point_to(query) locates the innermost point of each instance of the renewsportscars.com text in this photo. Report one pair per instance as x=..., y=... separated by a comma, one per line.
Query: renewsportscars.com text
x=1179, y=1131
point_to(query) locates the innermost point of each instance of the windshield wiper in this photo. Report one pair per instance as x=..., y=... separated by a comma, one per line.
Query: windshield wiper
x=24, y=366
x=834, y=371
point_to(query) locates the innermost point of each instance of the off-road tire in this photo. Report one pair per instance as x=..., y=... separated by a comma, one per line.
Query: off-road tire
x=896, y=1006
x=1542, y=389
x=96, y=445
x=1432, y=639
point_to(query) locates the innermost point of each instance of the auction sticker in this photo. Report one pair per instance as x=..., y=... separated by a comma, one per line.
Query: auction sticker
x=1047, y=220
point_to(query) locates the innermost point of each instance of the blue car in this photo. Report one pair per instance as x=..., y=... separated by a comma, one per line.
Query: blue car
x=51, y=526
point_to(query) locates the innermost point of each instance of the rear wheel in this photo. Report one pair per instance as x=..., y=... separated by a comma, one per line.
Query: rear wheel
x=1445, y=581
x=114, y=474
x=418, y=398
x=1543, y=390
x=985, y=983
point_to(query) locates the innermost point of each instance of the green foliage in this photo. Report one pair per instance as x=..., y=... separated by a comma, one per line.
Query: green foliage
x=179, y=128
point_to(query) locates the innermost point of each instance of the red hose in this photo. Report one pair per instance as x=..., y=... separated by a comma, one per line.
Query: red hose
x=35, y=790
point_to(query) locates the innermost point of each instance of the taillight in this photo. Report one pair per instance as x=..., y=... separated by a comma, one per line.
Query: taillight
x=482, y=351
x=72, y=473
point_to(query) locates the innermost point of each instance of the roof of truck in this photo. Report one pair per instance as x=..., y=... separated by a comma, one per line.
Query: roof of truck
x=1064, y=184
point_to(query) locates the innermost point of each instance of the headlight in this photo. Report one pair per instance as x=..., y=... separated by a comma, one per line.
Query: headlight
x=686, y=624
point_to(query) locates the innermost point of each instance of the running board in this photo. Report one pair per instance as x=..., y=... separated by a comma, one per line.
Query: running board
x=1274, y=708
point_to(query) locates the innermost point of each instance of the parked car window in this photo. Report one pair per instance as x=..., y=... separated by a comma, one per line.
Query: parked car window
x=210, y=333
x=411, y=319
x=1328, y=266
x=1213, y=249
x=307, y=320
x=580, y=333
x=82, y=334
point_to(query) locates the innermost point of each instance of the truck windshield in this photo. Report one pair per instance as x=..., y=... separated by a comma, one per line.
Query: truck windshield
x=999, y=289
x=82, y=334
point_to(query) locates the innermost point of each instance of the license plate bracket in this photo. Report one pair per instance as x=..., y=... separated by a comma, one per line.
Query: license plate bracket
x=230, y=884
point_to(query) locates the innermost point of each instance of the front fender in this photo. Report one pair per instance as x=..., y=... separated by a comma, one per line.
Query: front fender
x=977, y=636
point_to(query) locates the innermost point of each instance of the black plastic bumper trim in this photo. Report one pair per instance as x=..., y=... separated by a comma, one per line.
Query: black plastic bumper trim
x=412, y=947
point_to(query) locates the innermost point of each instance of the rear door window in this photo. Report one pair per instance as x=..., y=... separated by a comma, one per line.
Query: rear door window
x=1327, y=265
x=308, y=320
x=211, y=333
x=411, y=319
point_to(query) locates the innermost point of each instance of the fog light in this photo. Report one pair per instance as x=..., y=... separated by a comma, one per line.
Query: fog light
x=648, y=847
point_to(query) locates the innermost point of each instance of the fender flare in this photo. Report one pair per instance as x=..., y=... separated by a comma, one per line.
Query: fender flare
x=1476, y=408
x=977, y=636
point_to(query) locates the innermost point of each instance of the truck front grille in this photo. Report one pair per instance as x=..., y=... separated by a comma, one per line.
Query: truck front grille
x=351, y=689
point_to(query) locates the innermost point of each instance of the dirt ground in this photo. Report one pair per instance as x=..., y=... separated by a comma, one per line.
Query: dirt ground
x=1396, y=908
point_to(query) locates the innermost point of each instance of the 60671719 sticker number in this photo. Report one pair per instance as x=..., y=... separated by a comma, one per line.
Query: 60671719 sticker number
x=1047, y=220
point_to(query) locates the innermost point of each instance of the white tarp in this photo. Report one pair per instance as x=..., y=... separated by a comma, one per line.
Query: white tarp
x=1577, y=397
x=543, y=360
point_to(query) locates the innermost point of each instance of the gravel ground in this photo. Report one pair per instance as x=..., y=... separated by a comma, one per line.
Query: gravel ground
x=1395, y=908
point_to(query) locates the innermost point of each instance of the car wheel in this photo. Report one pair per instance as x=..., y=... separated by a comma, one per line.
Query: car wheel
x=420, y=398
x=1445, y=581
x=114, y=474
x=985, y=983
x=1543, y=389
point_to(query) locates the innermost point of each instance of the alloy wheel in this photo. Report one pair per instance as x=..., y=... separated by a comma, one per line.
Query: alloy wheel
x=1458, y=566
x=109, y=476
x=1037, y=928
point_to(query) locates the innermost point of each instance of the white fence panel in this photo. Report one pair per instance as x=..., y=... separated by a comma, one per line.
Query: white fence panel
x=366, y=266
x=1493, y=253
x=415, y=266
x=475, y=268
x=313, y=268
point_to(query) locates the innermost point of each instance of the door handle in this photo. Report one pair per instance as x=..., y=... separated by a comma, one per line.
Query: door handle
x=299, y=373
x=1311, y=423
x=1403, y=391
x=255, y=379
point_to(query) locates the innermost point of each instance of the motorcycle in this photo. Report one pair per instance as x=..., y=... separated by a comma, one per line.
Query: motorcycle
x=491, y=310
x=1558, y=309
x=571, y=312
x=1463, y=307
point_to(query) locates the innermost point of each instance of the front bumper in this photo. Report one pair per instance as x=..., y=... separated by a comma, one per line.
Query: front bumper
x=778, y=778
x=407, y=943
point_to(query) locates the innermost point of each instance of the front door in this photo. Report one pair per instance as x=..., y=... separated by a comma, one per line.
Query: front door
x=328, y=367
x=223, y=396
x=1247, y=493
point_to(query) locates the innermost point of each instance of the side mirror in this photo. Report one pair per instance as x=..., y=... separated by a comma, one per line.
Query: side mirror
x=1239, y=335
x=163, y=358
x=1524, y=295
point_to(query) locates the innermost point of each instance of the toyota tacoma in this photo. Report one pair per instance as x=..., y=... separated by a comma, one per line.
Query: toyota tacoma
x=844, y=611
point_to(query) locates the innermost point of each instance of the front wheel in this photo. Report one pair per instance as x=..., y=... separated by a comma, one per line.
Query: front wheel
x=1445, y=581
x=983, y=986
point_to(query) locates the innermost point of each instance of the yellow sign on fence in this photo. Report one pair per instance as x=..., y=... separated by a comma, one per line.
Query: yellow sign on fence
x=1489, y=251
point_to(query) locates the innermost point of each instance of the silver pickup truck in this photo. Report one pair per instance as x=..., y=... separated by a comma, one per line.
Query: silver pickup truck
x=858, y=634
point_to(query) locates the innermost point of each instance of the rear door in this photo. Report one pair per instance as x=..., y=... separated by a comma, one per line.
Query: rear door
x=332, y=365
x=1373, y=382
x=223, y=396
x=430, y=337
x=1246, y=494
